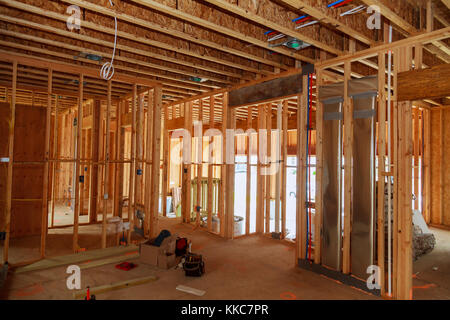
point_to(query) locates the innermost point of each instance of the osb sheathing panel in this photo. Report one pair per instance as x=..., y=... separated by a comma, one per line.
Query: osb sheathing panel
x=438, y=164
x=29, y=145
x=4, y=134
x=146, y=14
x=446, y=168
x=435, y=166
x=280, y=15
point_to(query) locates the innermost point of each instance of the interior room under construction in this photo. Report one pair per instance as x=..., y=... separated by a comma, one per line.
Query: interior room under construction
x=301, y=148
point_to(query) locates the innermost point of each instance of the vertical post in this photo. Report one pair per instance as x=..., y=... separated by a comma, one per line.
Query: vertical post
x=259, y=177
x=319, y=173
x=139, y=151
x=166, y=163
x=55, y=157
x=10, y=162
x=118, y=157
x=381, y=167
x=229, y=158
x=426, y=164
x=269, y=163
x=279, y=167
x=106, y=167
x=223, y=171
x=149, y=163
x=212, y=103
x=199, y=163
x=95, y=146
x=131, y=203
x=403, y=185
x=416, y=157
x=44, y=225
x=249, y=171
x=76, y=211
x=283, y=168
x=302, y=109
x=154, y=211
x=348, y=169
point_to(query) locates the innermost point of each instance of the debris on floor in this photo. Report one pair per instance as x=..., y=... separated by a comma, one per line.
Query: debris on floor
x=126, y=266
x=190, y=290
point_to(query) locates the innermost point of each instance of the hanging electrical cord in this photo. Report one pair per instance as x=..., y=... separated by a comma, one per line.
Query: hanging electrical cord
x=107, y=70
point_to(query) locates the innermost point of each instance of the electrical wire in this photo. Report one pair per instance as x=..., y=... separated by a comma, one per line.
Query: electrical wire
x=107, y=70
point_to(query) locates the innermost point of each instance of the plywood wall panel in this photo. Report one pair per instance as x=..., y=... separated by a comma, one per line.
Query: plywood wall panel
x=435, y=166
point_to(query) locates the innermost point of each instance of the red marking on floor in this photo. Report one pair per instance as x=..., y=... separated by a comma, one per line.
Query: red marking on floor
x=288, y=296
x=427, y=286
x=28, y=291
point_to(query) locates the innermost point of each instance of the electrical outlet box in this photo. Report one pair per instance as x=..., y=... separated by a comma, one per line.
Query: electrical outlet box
x=3, y=235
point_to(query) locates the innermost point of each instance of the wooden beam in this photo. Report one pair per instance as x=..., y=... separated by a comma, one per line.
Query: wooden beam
x=311, y=8
x=71, y=68
x=259, y=19
x=163, y=30
x=179, y=14
x=115, y=286
x=425, y=83
x=423, y=38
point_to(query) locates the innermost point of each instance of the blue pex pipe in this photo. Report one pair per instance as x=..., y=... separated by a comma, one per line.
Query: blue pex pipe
x=300, y=18
x=334, y=3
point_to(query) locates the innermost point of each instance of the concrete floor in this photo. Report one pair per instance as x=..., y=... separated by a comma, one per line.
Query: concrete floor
x=248, y=268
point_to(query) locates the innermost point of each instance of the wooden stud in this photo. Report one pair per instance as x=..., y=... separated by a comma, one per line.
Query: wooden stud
x=416, y=156
x=269, y=163
x=166, y=163
x=199, y=163
x=106, y=167
x=10, y=163
x=249, y=171
x=131, y=199
x=76, y=211
x=260, y=178
x=149, y=163
x=223, y=181
x=44, y=224
x=283, y=166
x=212, y=103
x=229, y=160
x=427, y=165
x=381, y=169
x=154, y=212
x=54, y=156
x=348, y=170
x=319, y=173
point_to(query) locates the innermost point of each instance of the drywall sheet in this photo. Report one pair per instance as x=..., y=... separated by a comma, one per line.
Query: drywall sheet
x=331, y=97
x=363, y=91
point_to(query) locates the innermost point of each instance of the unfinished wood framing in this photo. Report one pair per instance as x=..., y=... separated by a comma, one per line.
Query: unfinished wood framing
x=106, y=146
